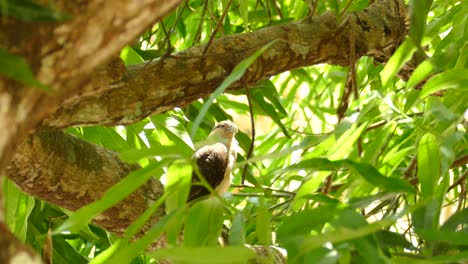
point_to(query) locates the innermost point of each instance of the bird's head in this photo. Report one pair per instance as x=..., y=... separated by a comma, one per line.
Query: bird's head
x=224, y=131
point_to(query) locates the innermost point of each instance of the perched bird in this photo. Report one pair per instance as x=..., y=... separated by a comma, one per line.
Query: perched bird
x=215, y=160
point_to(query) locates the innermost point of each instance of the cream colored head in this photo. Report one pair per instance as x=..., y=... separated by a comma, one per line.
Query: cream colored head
x=224, y=131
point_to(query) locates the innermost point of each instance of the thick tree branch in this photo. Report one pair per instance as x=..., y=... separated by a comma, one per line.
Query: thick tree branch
x=177, y=80
x=71, y=173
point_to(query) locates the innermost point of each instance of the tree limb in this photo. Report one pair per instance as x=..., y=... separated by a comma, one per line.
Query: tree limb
x=160, y=85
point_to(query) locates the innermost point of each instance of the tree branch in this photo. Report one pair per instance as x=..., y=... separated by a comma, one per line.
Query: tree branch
x=160, y=85
x=71, y=173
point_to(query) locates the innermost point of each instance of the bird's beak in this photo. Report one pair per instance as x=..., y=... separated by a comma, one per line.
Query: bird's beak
x=233, y=128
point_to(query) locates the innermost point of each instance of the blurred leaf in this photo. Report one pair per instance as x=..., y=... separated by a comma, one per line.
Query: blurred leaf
x=206, y=255
x=130, y=251
x=237, y=231
x=64, y=253
x=131, y=231
x=263, y=223
x=204, y=223
x=428, y=164
x=456, y=238
x=303, y=222
x=391, y=239
x=28, y=11
x=418, y=14
x=366, y=171
x=457, y=220
x=17, y=68
x=450, y=79
x=18, y=208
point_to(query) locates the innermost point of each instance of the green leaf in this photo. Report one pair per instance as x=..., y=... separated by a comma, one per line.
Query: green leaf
x=345, y=142
x=398, y=59
x=204, y=223
x=131, y=231
x=259, y=98
x=420, y=73
x=303, y=222
x=64, y=253
x=18, y=69
x=205, y=255
x=130, y=56
x=243, y=8
x=457, y=78
x=18, y=208
x=130, y=251
x=459, y=218
x=178, y=188
x=175, y=131
x=418, y=14
x=366, y=171
x=455, y=238
x=237, y=231
x=341, y=234
x=112, y=196
x=28, y=11
x=393, y=240
x=263, y=223
x=234, y=76
x=428, y=164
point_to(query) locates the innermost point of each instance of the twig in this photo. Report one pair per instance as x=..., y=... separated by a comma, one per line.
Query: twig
x=346, y=8
x=459, y=181
x=263, y=187
x=218, y=25
x=198, y=34
x=459, y=161
x=327, y=185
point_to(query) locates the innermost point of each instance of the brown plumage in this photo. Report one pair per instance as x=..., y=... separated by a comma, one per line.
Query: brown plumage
x=215, y=160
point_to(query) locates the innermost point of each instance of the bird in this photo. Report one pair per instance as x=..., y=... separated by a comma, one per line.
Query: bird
x=215, y=159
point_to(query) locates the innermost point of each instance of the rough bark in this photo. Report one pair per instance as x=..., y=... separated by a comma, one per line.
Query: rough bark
x=178, y=80
x=70, y=172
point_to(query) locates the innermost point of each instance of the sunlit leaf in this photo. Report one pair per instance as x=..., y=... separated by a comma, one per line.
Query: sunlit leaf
x=399, y=58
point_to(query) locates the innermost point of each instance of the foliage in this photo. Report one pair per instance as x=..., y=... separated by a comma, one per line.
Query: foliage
x=381, y=185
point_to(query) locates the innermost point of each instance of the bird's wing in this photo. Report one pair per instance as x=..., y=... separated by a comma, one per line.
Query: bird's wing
x=211, y=161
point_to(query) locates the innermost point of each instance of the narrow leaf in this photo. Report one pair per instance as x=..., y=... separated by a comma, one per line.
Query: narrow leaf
x=399, y=58
x=234, y=76
x=112, y=196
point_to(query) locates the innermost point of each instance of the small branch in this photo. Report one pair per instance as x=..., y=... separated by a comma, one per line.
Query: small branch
x=218, y=25
x=263, y=187
x=460, y=181
x=460, y=161
x=328, y=183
